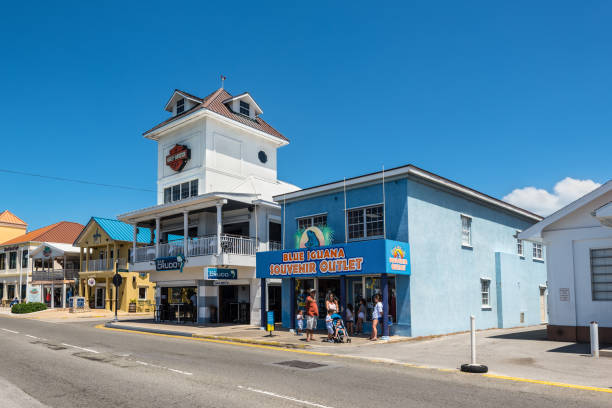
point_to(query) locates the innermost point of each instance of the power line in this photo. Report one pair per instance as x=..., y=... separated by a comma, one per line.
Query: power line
x=23, y=173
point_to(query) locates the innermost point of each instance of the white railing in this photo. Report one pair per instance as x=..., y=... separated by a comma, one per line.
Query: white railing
x=235, y=244
x=55, y=274
x=100, y=265
x=200, y=246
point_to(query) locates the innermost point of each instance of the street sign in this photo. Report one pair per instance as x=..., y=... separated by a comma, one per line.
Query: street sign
x=212, y=273
x=117, y=279
x=270, y=327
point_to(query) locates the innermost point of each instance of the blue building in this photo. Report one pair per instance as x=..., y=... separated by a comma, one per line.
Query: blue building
x=435, y=250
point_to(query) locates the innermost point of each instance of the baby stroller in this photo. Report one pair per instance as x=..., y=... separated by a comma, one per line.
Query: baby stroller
x=340, y=333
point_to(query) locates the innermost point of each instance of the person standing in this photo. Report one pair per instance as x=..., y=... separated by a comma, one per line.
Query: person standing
x=377, y=314
x=361, y=314
x=312, y=313
x=331, y=303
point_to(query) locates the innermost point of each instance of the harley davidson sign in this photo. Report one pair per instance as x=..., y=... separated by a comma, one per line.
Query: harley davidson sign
x=178, y=157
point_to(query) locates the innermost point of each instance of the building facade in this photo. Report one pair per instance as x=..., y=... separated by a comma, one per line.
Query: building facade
x=11, y=226
x=103, y=243
x=436, y=251
x=216, y=176
x=16, y=266
x=578, y=239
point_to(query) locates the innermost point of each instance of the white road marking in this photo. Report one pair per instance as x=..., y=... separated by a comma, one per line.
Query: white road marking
x=32, y=337
x=11, y=331
x=271, y=394
x=164, y=368
x=81, y=348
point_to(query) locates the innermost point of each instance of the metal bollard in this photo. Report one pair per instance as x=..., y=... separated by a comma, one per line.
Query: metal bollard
x=594, y=340
x=473, y=338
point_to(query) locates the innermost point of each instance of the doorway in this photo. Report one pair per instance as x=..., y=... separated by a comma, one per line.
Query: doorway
x=100, y=300
x=234, y=306
x=275, y=302
x=543, y=311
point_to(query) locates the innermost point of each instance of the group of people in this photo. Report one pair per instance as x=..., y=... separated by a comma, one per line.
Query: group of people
x=311, y=313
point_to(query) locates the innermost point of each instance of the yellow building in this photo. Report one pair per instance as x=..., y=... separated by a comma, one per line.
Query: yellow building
x=11, y=226
x=103, y=243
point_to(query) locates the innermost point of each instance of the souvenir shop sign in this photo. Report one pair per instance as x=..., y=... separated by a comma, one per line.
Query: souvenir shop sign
x=354, y=258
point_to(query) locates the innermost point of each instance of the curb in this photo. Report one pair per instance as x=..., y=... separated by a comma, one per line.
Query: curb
x=209, y=337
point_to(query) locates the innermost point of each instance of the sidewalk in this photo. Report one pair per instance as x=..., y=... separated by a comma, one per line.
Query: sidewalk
x=63, y=315
x=243, y=334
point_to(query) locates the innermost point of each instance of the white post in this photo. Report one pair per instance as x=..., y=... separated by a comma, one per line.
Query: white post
x=473, y=338
x=134, y=238
x=51, y=267
x=219, y=227
x=64, y=295
x=20, y=272
x=594, y=339
x=157, y=234
x=185, y=231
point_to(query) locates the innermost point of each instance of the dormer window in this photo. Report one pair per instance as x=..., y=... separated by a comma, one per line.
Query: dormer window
x=180, y=106
x=245, y=108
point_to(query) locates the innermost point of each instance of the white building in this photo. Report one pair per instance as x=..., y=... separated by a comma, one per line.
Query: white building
x=216, y=176
x=578, y=240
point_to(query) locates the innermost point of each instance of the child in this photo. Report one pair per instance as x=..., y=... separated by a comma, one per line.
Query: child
x=349, y=319
x=329, y=325
x=300, y=322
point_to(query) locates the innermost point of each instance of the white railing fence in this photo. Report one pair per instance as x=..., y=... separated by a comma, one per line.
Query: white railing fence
x=100, y=264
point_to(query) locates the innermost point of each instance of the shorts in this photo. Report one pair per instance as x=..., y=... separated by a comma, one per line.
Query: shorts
x=311, y=322
x=361, y=316
x=330, y=329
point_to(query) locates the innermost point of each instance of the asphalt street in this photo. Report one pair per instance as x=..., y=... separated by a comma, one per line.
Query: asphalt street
x=78, y=365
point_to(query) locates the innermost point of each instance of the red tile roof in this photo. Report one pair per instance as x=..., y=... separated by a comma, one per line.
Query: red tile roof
x=64, y=232
x=10, y=218
x=214, y=103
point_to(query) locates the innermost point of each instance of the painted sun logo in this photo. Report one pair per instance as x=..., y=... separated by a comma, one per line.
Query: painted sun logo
x=398, y=252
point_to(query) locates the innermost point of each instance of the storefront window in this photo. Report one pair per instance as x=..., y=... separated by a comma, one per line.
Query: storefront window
x=373, y=287
x=302, y=289
x=327, y=286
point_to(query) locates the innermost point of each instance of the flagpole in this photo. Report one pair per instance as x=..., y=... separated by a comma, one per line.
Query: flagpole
x=384, y=204
x=345, y=215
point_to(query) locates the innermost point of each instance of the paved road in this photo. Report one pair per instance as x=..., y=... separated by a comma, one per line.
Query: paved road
x=76, y=365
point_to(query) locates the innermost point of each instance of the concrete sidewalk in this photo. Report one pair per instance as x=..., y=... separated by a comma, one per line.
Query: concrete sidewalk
x=521, y=352
x=64, y=316
x=243, y=334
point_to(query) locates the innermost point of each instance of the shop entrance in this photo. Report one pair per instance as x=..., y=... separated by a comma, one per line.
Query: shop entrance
x=100, y=296
x=234, y=304
x=275, y=302
x=327, y=286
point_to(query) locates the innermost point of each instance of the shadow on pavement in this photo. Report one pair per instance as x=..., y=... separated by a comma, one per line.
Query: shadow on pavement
x=537, y=334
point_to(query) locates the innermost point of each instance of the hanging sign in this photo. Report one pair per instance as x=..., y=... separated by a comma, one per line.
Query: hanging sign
x=178, y=157
x=91, y=282
x=220, y=273
x=170, y=263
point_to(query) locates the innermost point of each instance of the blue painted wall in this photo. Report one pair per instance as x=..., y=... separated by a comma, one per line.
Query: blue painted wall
x=445, y=281
x=444, y=288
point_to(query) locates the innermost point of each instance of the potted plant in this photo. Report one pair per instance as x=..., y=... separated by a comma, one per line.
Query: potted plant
x=132, y=307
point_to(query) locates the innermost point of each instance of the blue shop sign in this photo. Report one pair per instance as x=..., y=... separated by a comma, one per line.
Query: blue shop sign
x=170, y=263
x=353, y=258
x=220, y=273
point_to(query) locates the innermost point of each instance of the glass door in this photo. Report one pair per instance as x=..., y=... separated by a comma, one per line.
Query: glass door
x=100, y=301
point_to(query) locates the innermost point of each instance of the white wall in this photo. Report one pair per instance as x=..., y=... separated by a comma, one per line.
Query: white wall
x=568, y=243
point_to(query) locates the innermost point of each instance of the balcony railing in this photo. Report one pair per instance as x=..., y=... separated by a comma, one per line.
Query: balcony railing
x=55, y=275
x=97, y=265
x=275, y=246
x=200, y=246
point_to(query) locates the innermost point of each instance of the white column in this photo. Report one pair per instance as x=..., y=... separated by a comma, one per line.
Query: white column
x=64, y=295
x=219, y=227
x=185, y=231
x=132, y=261
x=20, y=260
x=4, y=291
x=157, y=234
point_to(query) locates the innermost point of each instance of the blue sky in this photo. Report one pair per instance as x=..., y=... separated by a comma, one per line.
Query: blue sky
x=495, y=96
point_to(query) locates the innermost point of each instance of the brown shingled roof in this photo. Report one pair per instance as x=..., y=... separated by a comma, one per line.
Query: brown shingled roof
x=214, y=103
x=63, y=232
x=10, y=218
